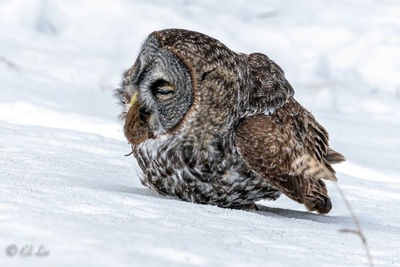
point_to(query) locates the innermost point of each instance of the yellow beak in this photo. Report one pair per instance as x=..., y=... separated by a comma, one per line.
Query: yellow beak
x=134, y=99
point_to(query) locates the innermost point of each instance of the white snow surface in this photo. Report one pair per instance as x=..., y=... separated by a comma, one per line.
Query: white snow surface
x=65, y=183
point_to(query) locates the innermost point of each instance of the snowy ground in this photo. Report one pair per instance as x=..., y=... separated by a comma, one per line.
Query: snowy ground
x=65, y=184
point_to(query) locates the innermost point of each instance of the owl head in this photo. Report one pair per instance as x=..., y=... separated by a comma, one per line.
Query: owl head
x=163, y=86
x=187, y=80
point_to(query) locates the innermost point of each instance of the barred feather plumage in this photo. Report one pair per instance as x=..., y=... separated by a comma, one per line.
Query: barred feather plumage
x=216, y=127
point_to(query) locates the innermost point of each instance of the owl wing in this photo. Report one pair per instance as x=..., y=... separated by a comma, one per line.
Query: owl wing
x=268, y=88
x=289, y=149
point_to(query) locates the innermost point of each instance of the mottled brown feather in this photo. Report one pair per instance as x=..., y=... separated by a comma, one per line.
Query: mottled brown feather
x=289, y=148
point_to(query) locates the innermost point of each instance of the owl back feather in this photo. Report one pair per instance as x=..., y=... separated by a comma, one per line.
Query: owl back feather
x=268, y=88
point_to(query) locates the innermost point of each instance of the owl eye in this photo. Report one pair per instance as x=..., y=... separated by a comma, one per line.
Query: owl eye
x=162, y=89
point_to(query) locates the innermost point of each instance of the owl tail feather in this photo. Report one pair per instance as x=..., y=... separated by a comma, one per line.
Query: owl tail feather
x=334, y=157
x=308, y=167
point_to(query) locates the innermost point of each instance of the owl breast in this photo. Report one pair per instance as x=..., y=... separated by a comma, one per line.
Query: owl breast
x=213, y=174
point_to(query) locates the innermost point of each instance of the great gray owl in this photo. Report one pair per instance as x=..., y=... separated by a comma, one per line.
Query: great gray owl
x=212, y=126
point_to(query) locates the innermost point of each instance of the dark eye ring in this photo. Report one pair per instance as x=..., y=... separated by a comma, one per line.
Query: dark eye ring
x=162, y=87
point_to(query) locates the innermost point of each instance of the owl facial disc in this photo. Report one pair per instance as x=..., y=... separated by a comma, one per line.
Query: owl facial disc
x=163, y=83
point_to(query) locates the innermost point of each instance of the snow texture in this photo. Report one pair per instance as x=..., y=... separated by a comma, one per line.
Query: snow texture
x=65, y=184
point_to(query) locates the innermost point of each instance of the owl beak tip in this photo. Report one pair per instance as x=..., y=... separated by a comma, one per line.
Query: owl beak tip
x=134, y=99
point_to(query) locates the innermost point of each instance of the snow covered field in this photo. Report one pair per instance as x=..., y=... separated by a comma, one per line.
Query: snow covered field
x=65, y=184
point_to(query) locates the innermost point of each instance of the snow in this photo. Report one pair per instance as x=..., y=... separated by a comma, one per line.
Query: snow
x=65, y=184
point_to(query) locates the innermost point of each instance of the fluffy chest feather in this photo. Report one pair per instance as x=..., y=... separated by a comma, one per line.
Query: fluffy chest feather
x=213, y=174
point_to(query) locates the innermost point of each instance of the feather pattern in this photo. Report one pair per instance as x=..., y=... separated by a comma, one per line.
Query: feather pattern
x=289, y=149
x=213, y=126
